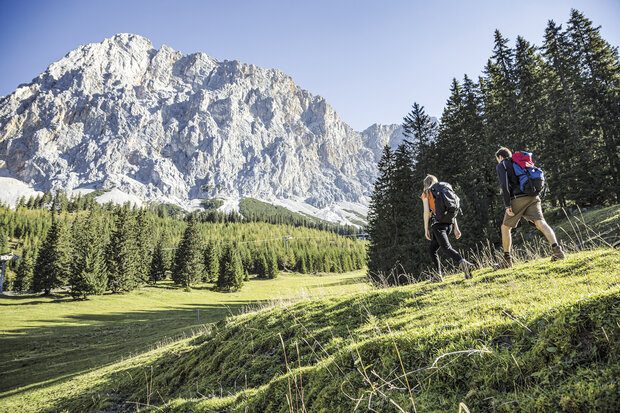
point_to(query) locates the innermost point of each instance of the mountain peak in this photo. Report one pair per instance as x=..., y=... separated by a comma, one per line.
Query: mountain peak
x=170, y=127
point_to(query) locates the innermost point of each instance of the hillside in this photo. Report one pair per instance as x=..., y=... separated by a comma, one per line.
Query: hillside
x=541, y=336
x=576, y=229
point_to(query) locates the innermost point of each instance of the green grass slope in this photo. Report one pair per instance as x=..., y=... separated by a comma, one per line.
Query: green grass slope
x=51, y=339
x=577, y=229
x=542, y=336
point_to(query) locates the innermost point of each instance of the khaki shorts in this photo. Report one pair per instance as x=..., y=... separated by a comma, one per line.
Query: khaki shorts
x=525, y=206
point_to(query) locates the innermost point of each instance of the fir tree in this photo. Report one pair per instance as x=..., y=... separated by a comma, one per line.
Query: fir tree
x=189, y=260
x=144, y=244
x=597, y=87
x=4, y=241
x=380, y=220
x=211, y=262
x=52, y=264
x=231, y=271
x=88, y=269
x=122, y=253
x=272, y=265
x=262, y=266
x=25, y=269
x=159, y=263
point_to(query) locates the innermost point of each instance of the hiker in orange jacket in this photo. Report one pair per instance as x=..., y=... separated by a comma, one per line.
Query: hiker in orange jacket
x=438, y=232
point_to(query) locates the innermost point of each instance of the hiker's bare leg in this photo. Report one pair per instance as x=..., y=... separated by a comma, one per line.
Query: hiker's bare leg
x=506, y=238
x=546, y=230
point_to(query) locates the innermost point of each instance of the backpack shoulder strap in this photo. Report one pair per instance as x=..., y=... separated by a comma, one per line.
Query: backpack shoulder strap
x=506, y=168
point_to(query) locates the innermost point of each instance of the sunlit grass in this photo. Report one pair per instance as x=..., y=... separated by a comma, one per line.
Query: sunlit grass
x=539, y=335
x=43, y=338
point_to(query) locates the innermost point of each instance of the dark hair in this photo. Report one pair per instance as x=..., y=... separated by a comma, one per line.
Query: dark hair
x=503, y=152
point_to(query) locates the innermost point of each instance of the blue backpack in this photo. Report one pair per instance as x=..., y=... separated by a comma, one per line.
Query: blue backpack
x=531, y=179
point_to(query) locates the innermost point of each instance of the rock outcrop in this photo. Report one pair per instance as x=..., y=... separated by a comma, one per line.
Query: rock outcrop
x=170, y=127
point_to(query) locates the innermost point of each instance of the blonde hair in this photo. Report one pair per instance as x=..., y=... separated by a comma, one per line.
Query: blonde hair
x=429, y=181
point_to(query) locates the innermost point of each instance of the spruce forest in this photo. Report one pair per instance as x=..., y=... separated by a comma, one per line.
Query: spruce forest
x=96, y=248
x=560, y=101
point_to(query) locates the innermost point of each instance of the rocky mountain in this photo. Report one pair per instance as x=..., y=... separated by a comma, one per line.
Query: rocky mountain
x=168, y=127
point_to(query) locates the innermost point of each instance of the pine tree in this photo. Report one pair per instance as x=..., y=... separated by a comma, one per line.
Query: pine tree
x=25, y=269
x=144, y=244
x=563, y=141
x=302, y=263
x=499, y=92
x=381, y=224
x=263, y=265
x=211, y=262
x=52, y=264
x=597, y=66
x=189, y=260
x=159, y=263
x=407, y=231
x=4, y=241
x=88, y=272
x=231, y=271
x=122, y=253
x=272, y=265
x=420, y=131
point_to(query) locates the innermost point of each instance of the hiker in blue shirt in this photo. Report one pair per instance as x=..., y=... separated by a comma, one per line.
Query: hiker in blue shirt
x=520, y=205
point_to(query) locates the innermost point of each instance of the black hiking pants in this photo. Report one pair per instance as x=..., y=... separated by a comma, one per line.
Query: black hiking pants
x=439, y=239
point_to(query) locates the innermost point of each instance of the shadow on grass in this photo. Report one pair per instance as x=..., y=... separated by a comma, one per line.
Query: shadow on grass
x=26, y=299
x=346, y=281
x=31, y=356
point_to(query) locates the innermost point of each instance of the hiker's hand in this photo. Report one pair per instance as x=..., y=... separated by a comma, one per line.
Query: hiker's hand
x=509, y=212
x=428, y=235
x=457, y=233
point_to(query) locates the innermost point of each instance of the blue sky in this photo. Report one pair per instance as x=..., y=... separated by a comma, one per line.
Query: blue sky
x=370, y=59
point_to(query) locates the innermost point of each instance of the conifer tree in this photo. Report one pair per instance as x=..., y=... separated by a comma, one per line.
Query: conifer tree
x=381, y=224
x=272, y=265
x=4, y=241
x=211, y=262
x=231, y=271
x=88, y=272
x=24, y=272
x=52, y=264
x=159, y=263
x=144, y=244
x=407, y=225
x=499, y=92
x=189, y=260
x=122, y=252
x=598, y=89
x=262, y=265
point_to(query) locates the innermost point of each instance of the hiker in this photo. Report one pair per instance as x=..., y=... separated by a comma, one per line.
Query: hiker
x=439, y=231
x=520, y=205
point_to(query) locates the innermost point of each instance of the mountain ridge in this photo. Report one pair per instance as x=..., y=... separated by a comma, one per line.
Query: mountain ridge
x=168, y=127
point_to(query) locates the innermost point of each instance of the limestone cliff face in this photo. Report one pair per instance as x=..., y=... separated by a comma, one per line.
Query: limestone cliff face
x=166, y=126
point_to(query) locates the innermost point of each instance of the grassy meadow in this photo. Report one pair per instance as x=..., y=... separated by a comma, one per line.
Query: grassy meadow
x=542, y=336
x=47, y=340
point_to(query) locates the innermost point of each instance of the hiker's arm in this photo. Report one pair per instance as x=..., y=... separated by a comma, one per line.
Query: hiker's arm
x=502, y=176
x=426, y=218
x=457, y=231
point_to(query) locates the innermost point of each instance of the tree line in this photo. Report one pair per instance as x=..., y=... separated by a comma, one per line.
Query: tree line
x=95, y=248
x=560, y=101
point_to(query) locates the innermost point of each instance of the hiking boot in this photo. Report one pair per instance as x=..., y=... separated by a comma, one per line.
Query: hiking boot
x=466, y=267
x=557, y=253
x=504, y=262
